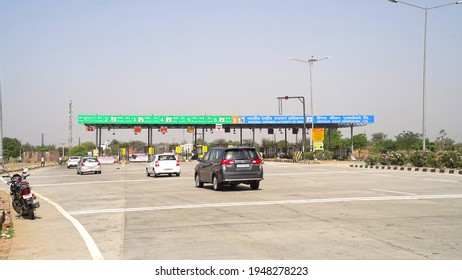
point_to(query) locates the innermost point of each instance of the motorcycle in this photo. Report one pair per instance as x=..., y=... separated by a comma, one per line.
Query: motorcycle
x=22, y=199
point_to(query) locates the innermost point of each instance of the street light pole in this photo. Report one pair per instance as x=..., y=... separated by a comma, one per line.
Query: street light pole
x=424, y=83
x=311, y=62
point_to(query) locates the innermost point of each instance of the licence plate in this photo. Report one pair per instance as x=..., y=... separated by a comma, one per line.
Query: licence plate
x=242, y=165
x=26, y=196
x=167, y=169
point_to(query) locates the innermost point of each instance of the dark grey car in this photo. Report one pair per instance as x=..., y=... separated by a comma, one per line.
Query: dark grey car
x=232, y=166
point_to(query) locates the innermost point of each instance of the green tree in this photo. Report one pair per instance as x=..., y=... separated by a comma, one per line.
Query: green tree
x=335, y=139
x=48, y=148
x=384, y=146
x=360, y=142
x=11, y=148
x=139, y=145
x=115, y=145
x=88, y=146
x=379, y=136
x=28, y=148
x=408, y=140
x=78, y=151
x=219, y=143
x=443, y=142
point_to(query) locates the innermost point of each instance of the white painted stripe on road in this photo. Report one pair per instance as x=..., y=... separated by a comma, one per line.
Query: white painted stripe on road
x=388, y=191
x=89, y=242
x=263, y=203
x=109, y=182
x=440, y=180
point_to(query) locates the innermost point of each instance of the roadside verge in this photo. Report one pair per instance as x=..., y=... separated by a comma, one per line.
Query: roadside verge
x=409, y=168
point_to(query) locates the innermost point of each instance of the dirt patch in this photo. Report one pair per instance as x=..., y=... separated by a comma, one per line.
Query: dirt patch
x=6, y=226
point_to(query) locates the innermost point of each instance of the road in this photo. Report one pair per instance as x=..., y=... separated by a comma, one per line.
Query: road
x=322, y=212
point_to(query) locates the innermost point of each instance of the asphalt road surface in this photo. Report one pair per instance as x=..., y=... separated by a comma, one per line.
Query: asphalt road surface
x=319, y=212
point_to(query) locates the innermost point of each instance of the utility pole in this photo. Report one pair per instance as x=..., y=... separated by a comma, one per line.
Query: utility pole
x=2, y=166
x=69, y=142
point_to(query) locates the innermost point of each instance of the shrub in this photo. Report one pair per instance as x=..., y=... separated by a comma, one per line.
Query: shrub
x=443, y=159
x=324, y=155
x=394, y=158
x=431, y=160
x=372, y=159
x=419, y=158
x=449, y=159
x=309, y=155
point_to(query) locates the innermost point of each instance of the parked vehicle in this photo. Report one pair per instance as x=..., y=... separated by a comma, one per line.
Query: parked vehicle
x=73, y=161
x=232, y=166
x=22, y=199
x=165, y=163
x=89, y=165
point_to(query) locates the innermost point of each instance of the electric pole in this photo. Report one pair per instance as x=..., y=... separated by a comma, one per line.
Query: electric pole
x=69, y=142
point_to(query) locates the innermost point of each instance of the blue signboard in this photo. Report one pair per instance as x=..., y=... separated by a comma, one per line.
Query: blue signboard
x=356, y=119
x=352, y=119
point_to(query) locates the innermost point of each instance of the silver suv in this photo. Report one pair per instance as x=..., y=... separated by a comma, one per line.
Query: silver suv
x=232, y=166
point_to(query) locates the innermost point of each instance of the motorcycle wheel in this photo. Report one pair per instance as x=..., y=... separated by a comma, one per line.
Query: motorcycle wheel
x=16, y=207
x=30, y=212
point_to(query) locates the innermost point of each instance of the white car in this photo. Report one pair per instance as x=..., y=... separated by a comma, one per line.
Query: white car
x=163, y=164
x=89, y=164
x=73, y=161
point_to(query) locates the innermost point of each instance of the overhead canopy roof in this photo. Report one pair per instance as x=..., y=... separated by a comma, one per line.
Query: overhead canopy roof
x=129, y=121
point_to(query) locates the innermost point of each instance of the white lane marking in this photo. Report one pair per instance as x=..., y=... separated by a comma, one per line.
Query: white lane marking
x=89, y=242
x=261, y=203
x=388, y=191
x=441, y=180
x=110, y=182
x=311, y=173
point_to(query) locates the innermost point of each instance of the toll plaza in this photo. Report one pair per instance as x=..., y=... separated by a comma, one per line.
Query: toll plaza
x=194, y=123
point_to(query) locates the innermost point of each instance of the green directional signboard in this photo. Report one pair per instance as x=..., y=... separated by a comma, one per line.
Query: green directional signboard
x=160, y=120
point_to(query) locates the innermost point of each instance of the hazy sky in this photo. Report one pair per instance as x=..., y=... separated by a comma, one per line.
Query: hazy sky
x=214, y=57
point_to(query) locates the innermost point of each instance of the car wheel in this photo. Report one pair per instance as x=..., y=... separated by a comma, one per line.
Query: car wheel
x=178, y=174
x=199, y=184
x=155, y=174
x=147, y=173
x=255, y=185
x=216, y=186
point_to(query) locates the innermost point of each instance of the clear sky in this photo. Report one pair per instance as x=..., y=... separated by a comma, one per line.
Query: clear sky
x=185, y=57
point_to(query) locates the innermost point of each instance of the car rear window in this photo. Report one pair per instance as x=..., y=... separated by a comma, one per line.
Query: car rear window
x=90, y=160
x=167, y=157
x=241, y=154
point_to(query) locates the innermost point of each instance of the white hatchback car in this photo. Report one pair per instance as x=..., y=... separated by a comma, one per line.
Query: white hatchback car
x=163, y=164
x=73, y=161
x=89, y=164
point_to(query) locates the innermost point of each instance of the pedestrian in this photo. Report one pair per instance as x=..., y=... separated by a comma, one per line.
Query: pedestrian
x=42, y=161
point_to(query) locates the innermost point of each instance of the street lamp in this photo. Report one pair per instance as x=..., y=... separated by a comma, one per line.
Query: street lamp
x=424, y=113
x=311, y=62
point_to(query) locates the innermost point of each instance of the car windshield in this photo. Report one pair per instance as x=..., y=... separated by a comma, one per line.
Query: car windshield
x=241, y=154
